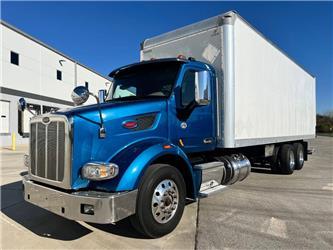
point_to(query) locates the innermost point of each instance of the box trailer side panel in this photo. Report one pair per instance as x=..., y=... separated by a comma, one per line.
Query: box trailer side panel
x=263, y=96
x=274, y=97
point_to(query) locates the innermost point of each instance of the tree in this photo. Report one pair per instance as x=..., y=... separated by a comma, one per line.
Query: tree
x=325, y=123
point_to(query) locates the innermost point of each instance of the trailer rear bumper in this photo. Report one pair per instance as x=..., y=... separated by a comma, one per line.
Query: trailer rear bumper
x=89, y=206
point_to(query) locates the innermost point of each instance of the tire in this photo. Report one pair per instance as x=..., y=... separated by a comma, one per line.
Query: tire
x=287, y=159
x=275, y=161
x=159, y=179
x=299, y=155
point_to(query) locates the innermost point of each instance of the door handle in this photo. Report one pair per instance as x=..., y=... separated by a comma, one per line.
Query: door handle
x=208, y=140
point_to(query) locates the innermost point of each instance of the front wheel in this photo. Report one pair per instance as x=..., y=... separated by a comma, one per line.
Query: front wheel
x=160, y=201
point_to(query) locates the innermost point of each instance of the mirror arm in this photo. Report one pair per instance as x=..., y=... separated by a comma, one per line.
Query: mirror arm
x=30, y=111
x=102, y=132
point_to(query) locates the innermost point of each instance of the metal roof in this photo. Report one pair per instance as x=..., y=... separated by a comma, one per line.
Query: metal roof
x=9, y=26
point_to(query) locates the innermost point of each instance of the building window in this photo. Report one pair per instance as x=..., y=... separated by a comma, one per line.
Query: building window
x=59, y=75
x=14, y=58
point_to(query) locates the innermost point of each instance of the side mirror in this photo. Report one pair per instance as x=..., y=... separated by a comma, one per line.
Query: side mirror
x=202, y=88
x=80, y=95
x=101, y=95
x=22, y=104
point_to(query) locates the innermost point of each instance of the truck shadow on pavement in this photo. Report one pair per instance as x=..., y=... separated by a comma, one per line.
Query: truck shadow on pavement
x=35, y=219
x=122, y=228
x=47, y=224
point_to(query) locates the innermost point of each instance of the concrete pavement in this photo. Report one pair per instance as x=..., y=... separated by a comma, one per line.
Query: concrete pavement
x=264, y=211
x=270, y=211
x=25, y=226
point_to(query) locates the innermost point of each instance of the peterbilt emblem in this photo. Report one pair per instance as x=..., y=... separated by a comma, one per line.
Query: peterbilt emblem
x=46, y=119
x=183, y=125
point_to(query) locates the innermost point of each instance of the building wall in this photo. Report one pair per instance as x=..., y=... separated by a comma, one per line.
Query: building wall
x=6, y=138
x=35, y=78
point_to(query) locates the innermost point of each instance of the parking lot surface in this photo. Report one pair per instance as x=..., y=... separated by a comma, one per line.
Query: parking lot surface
x=266, y=211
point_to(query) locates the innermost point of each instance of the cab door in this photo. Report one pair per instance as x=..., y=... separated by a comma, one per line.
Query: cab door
x=192, y=120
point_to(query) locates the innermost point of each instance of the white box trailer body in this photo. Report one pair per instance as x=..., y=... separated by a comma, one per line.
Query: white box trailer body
x=263, y=95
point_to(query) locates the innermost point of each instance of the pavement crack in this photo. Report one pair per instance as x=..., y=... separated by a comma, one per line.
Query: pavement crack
x=197, y=227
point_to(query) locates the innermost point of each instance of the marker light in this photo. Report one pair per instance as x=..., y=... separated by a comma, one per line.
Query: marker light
x=99, y=171
x=181, y=57
x=130, y=124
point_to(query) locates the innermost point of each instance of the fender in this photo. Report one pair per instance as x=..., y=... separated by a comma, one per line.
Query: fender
x=135, y=158
x=131, y=178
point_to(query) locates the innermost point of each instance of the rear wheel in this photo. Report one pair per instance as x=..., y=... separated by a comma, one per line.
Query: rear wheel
x=299, y=155
x=160, y=201
x=287, y=159
x=275, y=161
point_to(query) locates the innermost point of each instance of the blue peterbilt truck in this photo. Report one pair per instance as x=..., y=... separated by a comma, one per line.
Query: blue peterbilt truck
x=176, y=126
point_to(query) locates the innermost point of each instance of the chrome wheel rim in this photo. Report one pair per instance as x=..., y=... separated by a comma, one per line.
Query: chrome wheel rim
x=301, y=157
x=165, y=200
x=292, y=159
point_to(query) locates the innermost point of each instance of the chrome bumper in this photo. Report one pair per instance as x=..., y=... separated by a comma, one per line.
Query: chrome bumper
x=108, y=207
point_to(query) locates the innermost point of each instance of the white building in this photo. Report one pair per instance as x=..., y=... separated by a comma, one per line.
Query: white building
x=42, y=75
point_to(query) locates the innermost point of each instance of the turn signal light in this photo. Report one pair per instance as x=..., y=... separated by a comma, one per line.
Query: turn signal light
x=130, y=124
x=99, y=171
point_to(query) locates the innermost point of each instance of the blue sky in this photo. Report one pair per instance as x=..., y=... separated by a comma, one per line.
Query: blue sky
x=105, y=35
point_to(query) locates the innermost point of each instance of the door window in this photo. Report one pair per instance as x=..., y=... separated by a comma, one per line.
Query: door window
x=196, y=86
x=202, y=83
x=188, y=88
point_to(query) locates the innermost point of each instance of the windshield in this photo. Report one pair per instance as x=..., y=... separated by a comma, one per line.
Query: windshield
x=144, y=81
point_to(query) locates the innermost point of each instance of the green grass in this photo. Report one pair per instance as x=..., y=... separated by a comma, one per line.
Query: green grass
x=325, y=134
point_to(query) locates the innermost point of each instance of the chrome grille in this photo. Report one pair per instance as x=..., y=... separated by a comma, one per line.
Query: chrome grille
x=50, y=151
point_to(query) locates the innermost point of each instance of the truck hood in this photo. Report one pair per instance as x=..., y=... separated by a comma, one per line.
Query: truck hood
x=150, y=115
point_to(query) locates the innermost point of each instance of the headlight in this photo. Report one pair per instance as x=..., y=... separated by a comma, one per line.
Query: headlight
x=99, y=171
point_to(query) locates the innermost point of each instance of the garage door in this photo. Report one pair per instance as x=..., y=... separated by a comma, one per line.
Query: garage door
x=4, y=117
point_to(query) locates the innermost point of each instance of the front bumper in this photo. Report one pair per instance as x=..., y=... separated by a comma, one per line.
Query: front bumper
x=108, y=207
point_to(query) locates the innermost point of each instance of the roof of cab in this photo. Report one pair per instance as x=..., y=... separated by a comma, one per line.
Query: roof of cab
x=116, y=71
